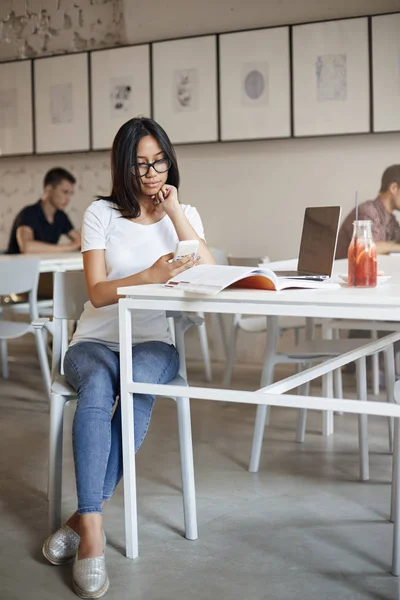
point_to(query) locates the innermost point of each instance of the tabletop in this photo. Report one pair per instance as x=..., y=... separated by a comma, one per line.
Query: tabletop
x=49, y=263
x=336, y=301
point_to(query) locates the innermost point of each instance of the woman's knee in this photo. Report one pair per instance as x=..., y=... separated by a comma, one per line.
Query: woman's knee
x=154, y=362
x=93, y=367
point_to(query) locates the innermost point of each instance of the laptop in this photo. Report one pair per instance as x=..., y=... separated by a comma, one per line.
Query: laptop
x=318, y=244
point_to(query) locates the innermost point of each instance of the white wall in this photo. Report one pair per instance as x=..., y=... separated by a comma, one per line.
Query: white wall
x=251, y=195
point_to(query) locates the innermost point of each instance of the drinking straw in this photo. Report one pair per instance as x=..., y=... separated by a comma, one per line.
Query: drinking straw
x=356, y=205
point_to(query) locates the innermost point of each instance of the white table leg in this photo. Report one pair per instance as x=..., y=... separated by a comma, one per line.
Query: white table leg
x=128, y=439
x=396, y=503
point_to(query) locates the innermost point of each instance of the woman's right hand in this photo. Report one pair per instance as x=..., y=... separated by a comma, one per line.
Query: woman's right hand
x=162, y=270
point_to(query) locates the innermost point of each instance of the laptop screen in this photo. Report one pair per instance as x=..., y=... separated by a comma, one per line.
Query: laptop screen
x=318, y=240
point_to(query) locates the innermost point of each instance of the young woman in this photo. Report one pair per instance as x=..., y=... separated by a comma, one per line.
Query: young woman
x=128, y=238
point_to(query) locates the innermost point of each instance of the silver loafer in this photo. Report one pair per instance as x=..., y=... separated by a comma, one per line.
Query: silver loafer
x=89, y=576
x=61, y=546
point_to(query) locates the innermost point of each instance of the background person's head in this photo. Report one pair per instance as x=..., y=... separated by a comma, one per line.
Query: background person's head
x=390, y=185
x=140, y=141
x=58, y=187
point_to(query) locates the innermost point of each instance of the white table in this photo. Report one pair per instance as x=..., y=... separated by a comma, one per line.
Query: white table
x=380, y=303
x=50, y=263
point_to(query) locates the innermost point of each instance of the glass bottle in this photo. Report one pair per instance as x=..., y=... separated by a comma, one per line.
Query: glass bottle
x=362, y=256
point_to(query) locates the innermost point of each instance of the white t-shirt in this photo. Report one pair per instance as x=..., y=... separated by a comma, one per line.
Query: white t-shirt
x=129, y=248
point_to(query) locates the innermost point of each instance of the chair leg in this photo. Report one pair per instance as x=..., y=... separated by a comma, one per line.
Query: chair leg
x=267, y=376
x=57, y=404
x=304, y=390
x=258, y=435
x=362, y=419
x=327, y=385
x=218, y=326
x=375, y=367
x=187, y=468
x=205, y=351
x=4, y=359
x=337, y=375
x=327, y=415
x=390, y=378
x=396, y=502
x=231, y=352
x=44, y=363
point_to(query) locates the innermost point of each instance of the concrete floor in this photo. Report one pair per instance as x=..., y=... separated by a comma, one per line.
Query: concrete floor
x=303, y=527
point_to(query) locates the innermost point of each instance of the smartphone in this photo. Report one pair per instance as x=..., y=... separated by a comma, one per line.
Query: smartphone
x=186, y=247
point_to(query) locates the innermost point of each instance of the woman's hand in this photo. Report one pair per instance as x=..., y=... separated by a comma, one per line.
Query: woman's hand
x=167, y=199
x=162, y=270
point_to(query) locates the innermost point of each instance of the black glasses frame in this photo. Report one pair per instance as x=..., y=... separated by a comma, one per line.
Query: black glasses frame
x=154, y=165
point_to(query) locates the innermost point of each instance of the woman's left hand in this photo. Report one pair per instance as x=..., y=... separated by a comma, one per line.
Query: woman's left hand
x=167, y=199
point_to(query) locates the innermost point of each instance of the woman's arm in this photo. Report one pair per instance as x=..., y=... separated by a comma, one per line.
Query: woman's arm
x=186, y=232
x=168, y=200
x=103, y=292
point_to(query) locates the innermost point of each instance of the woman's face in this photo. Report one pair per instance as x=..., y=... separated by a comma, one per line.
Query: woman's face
x=151, y=179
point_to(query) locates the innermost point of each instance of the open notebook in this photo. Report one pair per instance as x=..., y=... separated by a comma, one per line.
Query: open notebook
x=211, y=279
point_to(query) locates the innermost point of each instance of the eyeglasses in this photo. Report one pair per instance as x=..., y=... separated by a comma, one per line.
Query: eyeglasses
x=160, y=166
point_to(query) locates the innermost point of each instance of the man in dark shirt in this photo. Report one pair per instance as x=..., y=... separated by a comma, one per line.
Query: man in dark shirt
x=38, y=227
x=385, y=227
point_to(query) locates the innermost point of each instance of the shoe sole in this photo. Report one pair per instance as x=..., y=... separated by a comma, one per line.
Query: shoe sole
x=82, y=594
x=55, y=561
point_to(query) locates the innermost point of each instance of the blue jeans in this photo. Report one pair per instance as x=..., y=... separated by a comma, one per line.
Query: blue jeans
x=92, y=370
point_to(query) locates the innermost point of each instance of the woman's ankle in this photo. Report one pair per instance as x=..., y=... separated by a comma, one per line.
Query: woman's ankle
x=74, y=522
x=91, y=532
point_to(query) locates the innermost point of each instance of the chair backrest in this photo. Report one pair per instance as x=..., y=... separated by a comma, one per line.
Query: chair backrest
x=19, y=275
x=219, y=256
x=70, y=295
x=244, y=262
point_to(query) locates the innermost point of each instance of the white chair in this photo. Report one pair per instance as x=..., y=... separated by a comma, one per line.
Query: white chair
x=18, y=281
x=371, y=327
x=314, y=351
x=69, y=297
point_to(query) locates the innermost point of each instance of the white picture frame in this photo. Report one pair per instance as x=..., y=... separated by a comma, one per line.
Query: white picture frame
x=331, y=84
x=386, y=72
x=184, y=76
x=16, y=115
x=120, y=90
x=61, y=91
x=254, y=84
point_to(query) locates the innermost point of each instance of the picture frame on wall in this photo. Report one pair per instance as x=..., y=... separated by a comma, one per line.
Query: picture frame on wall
x=184, y=84
x=254, y=84
x=331, y=83
x=386, y=72
x=16, y=118
x=61, y=92
x=120, y=90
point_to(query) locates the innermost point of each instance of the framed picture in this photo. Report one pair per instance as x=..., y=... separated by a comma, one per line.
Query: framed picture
x=386, y=72
x=331, y=86
x=120, y=90
x=185, y=89
x=16, y=123
x=61, y=85
x=254, y=84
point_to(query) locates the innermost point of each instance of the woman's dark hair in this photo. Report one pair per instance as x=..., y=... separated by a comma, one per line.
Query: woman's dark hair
x=125, y=185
